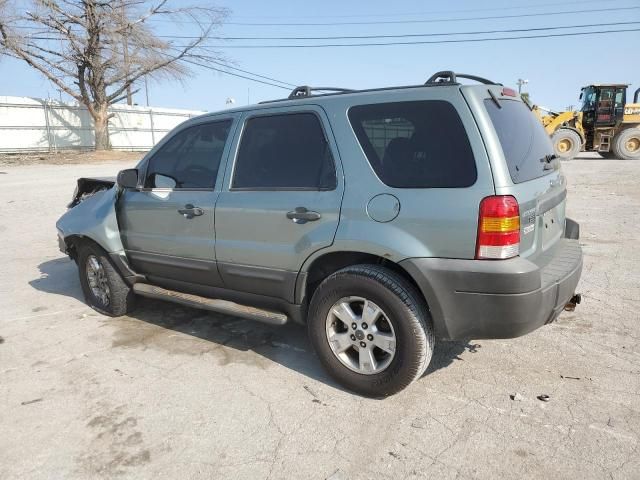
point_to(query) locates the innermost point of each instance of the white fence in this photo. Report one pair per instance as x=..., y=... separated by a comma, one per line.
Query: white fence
x=38, y=125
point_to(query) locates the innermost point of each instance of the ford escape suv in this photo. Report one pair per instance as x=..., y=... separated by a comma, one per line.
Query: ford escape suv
x=382, y=219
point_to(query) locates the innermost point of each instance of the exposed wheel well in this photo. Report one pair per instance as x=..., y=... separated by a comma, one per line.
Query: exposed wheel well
x=73, y=241
x=330, y=263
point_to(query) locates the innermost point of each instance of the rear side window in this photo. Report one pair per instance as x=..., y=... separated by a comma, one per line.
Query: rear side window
x=190, y=159
x=525, y=143
x=420, y=144
x=286, y=151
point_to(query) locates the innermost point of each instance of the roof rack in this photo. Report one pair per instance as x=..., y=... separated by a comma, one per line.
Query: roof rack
x=447, y=76
x=306, y=91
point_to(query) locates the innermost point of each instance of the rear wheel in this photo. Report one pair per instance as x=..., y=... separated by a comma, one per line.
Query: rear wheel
x=566, y=143
x=371, y=330
x=104, y=289
x=626, y=144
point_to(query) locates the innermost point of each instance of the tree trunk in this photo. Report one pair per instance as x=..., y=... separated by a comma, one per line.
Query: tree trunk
x=101, y=121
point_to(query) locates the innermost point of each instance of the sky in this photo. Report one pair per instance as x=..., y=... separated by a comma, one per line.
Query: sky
x=555, y=67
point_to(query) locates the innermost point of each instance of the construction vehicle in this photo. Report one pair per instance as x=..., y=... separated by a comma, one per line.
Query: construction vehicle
x=604, y=123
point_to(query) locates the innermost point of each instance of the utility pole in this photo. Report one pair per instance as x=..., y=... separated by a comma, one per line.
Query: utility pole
x=146, y=89
x=125, y=51
x=520, y=83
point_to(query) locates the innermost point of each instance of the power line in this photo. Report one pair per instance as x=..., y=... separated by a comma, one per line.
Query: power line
x=212, y=61
x=358, y=37
x=406, y=35
x=361, y=15
x=427, y=42
x=254, y=74
x=433, y=20
x=203, y=65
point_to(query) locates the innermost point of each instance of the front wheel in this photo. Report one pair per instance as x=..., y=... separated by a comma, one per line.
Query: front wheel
x=371, y=330
x=566, y=143
x=104, y=289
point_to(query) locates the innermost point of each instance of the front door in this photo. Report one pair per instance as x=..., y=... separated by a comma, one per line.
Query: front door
x=280, y=202
x=167, y=224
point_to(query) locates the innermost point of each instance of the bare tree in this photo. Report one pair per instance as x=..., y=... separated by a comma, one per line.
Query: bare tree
x=97, y=50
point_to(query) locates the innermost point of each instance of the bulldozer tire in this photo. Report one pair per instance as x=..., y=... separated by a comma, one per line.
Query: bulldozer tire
x=626, y=144
x=566, y=143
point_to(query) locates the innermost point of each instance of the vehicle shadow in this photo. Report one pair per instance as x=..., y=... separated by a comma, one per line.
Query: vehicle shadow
x=286, y=345
x=60, y=277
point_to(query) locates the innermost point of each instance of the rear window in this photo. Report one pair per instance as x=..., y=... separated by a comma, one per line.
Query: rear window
x=420, y=144
x=524, y=141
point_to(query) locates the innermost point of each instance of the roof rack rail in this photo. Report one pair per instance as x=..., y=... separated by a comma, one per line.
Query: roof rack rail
x=447, y=76
x=306, y=91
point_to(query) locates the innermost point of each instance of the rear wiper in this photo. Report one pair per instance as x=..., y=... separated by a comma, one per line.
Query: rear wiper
x=494, y=98
x=548, y=158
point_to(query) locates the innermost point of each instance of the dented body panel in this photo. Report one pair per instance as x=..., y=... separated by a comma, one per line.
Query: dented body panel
x=94, y=218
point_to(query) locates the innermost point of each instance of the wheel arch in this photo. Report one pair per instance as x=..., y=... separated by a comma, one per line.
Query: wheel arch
x=72, y=242
x=328, y=263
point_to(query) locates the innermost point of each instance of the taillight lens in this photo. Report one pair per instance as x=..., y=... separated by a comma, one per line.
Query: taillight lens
x=498, y=228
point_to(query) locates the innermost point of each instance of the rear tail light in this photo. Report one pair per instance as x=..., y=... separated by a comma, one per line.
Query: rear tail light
x=498, y=228
x=509, y=92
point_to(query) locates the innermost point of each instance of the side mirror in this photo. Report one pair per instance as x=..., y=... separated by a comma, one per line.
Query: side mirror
x=128, y=178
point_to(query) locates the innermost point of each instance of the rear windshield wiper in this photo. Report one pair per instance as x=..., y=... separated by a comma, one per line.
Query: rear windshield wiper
x=547, y=159
x=494, y=98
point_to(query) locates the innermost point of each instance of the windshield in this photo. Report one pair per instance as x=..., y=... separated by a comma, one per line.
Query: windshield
x=588, y=99
x=525, y=144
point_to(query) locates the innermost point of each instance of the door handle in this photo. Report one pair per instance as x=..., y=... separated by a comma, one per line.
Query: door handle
x=301, y=215
x=189, y=211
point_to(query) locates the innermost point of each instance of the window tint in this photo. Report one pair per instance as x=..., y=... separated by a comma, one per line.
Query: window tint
x=190, y=159
x=284, y=152
x=525, y=143
x=420, y=144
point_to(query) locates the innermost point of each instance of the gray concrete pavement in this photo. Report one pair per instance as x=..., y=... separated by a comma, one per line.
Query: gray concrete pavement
x=172, y=392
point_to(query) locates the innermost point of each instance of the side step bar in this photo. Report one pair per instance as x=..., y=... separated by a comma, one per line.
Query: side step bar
x=220, y=306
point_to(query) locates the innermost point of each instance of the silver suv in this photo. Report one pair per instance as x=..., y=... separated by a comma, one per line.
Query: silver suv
x=383, y=219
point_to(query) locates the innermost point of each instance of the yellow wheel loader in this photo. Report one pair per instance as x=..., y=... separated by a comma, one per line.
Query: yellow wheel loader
x=605, y=123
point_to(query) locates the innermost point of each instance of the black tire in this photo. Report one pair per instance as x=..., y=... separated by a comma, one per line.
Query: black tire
x=405, y=310
x=626, y=144
x=566, y=143
x=121, y=298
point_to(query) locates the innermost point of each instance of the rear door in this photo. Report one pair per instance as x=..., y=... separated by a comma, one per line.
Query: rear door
x=167, y=224
x=280, y=201
x=523, y=166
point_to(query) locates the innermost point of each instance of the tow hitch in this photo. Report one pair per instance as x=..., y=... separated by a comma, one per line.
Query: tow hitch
x=571, y=304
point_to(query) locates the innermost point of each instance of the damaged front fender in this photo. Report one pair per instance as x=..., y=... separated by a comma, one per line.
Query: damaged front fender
x=94, y=218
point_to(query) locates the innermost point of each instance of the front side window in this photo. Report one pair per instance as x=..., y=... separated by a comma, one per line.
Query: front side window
x=419, y=144
x=190, y=159
x=287, y=151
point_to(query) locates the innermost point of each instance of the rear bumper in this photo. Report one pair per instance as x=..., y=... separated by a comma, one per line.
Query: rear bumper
x=498, y=299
